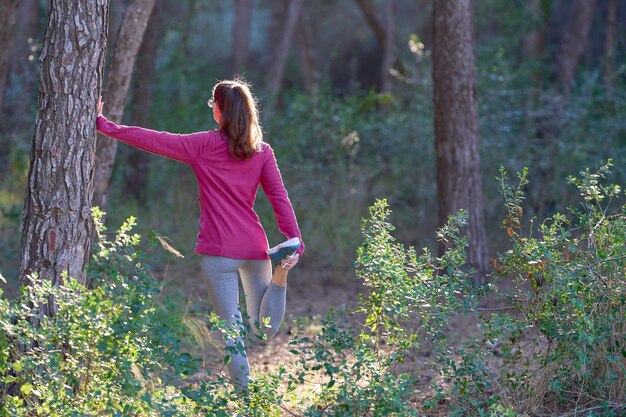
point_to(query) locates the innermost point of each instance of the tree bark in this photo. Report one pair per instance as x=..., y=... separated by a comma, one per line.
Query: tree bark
x=535, y=39
x=389, y=51
x=277, y=67
x=573, y=42
x=125, y=52
x=459, y=184
x=8, y=10
x=306, y=52
x=609, y=45
x=241, y=34
x=136, y=177
x=370, y=15
x=57, y=223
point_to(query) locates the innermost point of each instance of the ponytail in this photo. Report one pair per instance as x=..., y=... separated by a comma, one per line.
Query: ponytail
x=240, y=118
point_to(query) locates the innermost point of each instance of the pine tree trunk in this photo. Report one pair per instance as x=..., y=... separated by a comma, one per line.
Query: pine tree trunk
x=136, y=176
x=8, y=10
x=573, y=42
x=57, y=223
x=459, y=184
x=306, y=52
x=370, y=15
x=122, y=63
x=389, y=52
x=609, y=45
x=535, y=39
x=277, y=67
x=241, y=33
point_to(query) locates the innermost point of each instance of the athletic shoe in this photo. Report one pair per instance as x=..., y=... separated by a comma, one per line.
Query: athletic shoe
x=285, y=249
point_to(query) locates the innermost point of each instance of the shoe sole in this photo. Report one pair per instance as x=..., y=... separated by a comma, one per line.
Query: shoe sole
x=285, y=249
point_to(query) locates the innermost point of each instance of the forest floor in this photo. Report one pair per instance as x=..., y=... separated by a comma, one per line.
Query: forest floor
x=311, y=293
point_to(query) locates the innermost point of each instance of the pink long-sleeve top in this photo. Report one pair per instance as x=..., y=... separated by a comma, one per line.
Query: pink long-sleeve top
x=229, y=226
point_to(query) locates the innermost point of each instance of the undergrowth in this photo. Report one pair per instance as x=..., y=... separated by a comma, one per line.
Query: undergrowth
x=556, y=347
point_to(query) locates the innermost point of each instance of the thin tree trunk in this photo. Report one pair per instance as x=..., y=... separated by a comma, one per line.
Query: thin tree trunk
x=241, y=34
x=534, y=48
x=573, y=42
x=571, y=47
x=57, y=222
x=306, y=51
x=116, y=13
x=609, y=45
x=136, y=176
x=18, y=115
x=277, y=67
x=122, y=62
x=8, y=10
x=26, y=32
x=370, y=15
x=389, y=52
x=23, y=69
x=278, y=16
x=459, y=184
x=535, y=39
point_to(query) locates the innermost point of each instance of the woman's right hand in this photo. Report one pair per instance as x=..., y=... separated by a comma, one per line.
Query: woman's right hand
x=290, y=261
x=99, y=106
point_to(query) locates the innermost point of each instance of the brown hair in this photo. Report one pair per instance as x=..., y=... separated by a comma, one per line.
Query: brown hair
x=240, y=117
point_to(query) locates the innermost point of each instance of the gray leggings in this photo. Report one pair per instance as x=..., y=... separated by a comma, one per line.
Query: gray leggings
x=263, y=300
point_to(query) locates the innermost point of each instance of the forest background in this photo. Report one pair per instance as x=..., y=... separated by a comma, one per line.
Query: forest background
x=350, y=116
x=342, y=136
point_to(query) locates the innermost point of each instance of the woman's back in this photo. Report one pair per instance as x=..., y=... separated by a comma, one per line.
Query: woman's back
x=227, y=187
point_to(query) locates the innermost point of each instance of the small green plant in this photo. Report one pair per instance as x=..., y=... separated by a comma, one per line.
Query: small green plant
x=407, y=303
x=563, y=340
x=110, y=349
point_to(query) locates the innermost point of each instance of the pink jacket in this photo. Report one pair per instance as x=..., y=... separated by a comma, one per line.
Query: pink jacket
x=229, y=226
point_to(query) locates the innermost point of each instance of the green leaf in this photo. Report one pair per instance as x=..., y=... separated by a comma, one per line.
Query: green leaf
x=26, y=388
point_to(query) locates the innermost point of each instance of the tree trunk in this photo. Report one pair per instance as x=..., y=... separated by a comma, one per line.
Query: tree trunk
x=8, y=9
x=535, y=39
x=459, y=184
x=389, y=52
x=23, y=70
x=25, y=37
x=116, y=13
x=278, y=16
x=57, y=223
x=573, y=42
x=123, y=59
x=609, y=45
x=136, y=176
x=306, y=52
x=277, y=67
x=370, y=15
x=241, y=34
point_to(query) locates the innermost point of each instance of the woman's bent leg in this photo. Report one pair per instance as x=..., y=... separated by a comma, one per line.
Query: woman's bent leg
x=222, y=281
x=263, y=299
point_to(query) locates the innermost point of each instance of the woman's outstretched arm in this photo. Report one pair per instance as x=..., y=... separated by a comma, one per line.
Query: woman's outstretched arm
x=180, y=147
x=272, y=184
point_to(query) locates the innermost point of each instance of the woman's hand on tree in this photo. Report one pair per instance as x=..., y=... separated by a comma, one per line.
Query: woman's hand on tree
x=99, y=106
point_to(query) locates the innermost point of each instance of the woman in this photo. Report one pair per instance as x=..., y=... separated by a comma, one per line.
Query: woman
x=230, y=163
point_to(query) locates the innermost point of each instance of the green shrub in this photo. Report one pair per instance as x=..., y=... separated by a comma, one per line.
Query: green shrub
x=557, y=346
x=563, y=342
x=110, y=348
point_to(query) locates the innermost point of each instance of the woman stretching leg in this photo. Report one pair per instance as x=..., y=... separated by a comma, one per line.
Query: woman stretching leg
x=230, y=163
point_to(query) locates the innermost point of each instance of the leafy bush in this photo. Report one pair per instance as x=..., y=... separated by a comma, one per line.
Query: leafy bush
x=563, y=342
x=107, y=349
x=556, y=346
